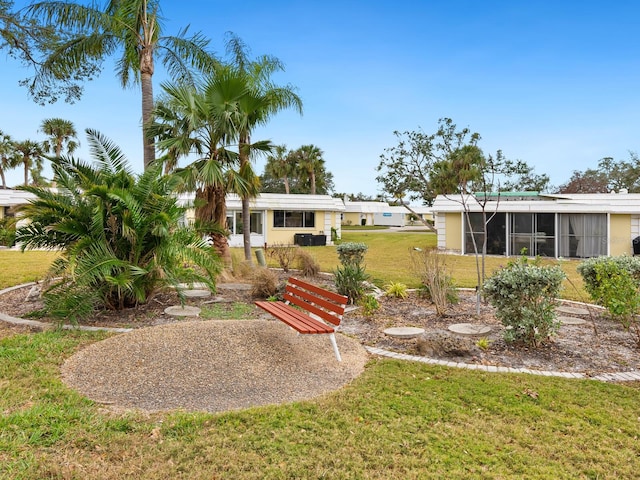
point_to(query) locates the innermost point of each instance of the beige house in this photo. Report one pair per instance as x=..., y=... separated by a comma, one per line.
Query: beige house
x=283, y=219
x=551, y=225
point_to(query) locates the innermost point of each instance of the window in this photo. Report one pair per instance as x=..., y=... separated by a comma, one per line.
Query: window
x=293, y=219
x=236, y=225
x=496, y=236
x=583, y=235
x=534, y=232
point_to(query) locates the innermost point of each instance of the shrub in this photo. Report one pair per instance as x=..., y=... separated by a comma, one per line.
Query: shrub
x=308, y=265
x=351, y=281
x=351, y=277
x=431, y=269
x=613, y=283
x=524, y=294
x=396, y=289
x=264, y=283
x=7, y=231
x=117, y=233
x=351, y=253
x=369, y=304
x=283, y=254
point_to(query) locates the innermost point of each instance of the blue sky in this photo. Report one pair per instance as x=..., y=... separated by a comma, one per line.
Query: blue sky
x=555, y=84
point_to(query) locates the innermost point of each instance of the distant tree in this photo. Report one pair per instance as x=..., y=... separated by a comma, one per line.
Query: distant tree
x=309, y=160
x=589, y=181
x=29, y=154
x=293, y=173
x=132, y=27
x=522, y=178
x=280, y=166
x=6, y=156
x=611, y=175
x=61, y=134
x=358, y=197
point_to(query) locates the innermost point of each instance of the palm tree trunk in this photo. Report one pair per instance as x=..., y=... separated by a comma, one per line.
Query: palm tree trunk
x=246, y=214
x=26, y=173
x=286, y=185
x=313, y=182
x=211, y=208
x=146, y=75
x=4, y=179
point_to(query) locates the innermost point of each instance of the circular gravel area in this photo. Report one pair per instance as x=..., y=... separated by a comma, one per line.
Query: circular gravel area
x=212, y=366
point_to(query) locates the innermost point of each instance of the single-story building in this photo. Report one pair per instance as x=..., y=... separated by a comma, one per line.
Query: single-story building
x=277, y=218
x=381, y=213
x=10, y=198
x=551, y=225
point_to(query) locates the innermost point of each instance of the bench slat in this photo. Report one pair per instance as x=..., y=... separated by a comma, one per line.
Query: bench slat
x=294, y=318
x=306, y=302
x=334, y=297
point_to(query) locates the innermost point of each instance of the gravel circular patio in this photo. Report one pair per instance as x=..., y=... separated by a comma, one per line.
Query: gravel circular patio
x=213, y=366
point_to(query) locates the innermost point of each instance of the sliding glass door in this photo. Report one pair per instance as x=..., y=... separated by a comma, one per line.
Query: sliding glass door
x=583, y=235
x=532, y=234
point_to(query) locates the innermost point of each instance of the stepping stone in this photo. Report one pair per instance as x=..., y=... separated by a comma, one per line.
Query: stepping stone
x=180, y=311
x=197, y=293
x=190, y=286
x=404, y=332
x=571, y=320
x=572, y=310
x=469, y=329
x=233, y=286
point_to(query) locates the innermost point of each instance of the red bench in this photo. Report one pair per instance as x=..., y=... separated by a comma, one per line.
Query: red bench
x=318, y=310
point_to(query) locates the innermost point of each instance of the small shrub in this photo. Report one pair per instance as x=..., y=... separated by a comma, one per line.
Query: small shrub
x=351, y=253
x=397, y=290
x=264, y=283
x=431, y=269
x=308, y=265
x=483, y=344
x=7, y=231
x=283, y=254
x=351, y=277
x=524, y=295
x=369, y=304
x=351, y=281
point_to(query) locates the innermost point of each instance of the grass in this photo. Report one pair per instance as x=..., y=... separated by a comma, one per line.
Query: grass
x=363, y=227
x=18, y=267
x=398, y=420
x=235, y=311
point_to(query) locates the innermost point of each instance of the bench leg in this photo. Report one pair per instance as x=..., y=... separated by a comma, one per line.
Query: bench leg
x=332, y=337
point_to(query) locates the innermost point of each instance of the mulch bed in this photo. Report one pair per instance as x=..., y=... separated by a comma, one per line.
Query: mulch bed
x=598, y=346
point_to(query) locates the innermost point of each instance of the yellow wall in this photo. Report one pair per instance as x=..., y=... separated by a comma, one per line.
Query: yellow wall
x=353, y=217
x=453, y=229
x=285, y=235
x=620, y=235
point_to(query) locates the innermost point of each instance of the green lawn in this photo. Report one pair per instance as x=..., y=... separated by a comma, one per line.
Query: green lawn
x=398, y=420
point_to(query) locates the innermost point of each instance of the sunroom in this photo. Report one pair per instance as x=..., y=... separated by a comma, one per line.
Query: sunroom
x=571, y=225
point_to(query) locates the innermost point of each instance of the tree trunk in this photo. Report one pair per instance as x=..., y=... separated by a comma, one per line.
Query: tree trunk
x=4, y=179
x=243, y=154
x=286, y=185
x=212, y=209
x=26, y=173
x=312, y=177
x=146, y=75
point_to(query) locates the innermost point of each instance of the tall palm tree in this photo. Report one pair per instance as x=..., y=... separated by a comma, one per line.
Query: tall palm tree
x=61, y=133
x=6, y=154
x=28, y=154
x=132, y=27
x=204, y=121
x=262, y=100
x=309, y=158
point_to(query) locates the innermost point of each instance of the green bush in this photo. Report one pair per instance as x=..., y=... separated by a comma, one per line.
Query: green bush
x=7, y=231
x=613, y=282
x=351, y=253
x=351, y=278
x=524, y=295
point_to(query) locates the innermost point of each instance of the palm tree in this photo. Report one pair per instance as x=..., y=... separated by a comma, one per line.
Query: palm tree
x=6, y=154
x=309, y=158
x=204, y=121
x=28, y=154
x=132, y=27
x=280, y=165
x=262, y=100
x=61, y=132
x=116, y=232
